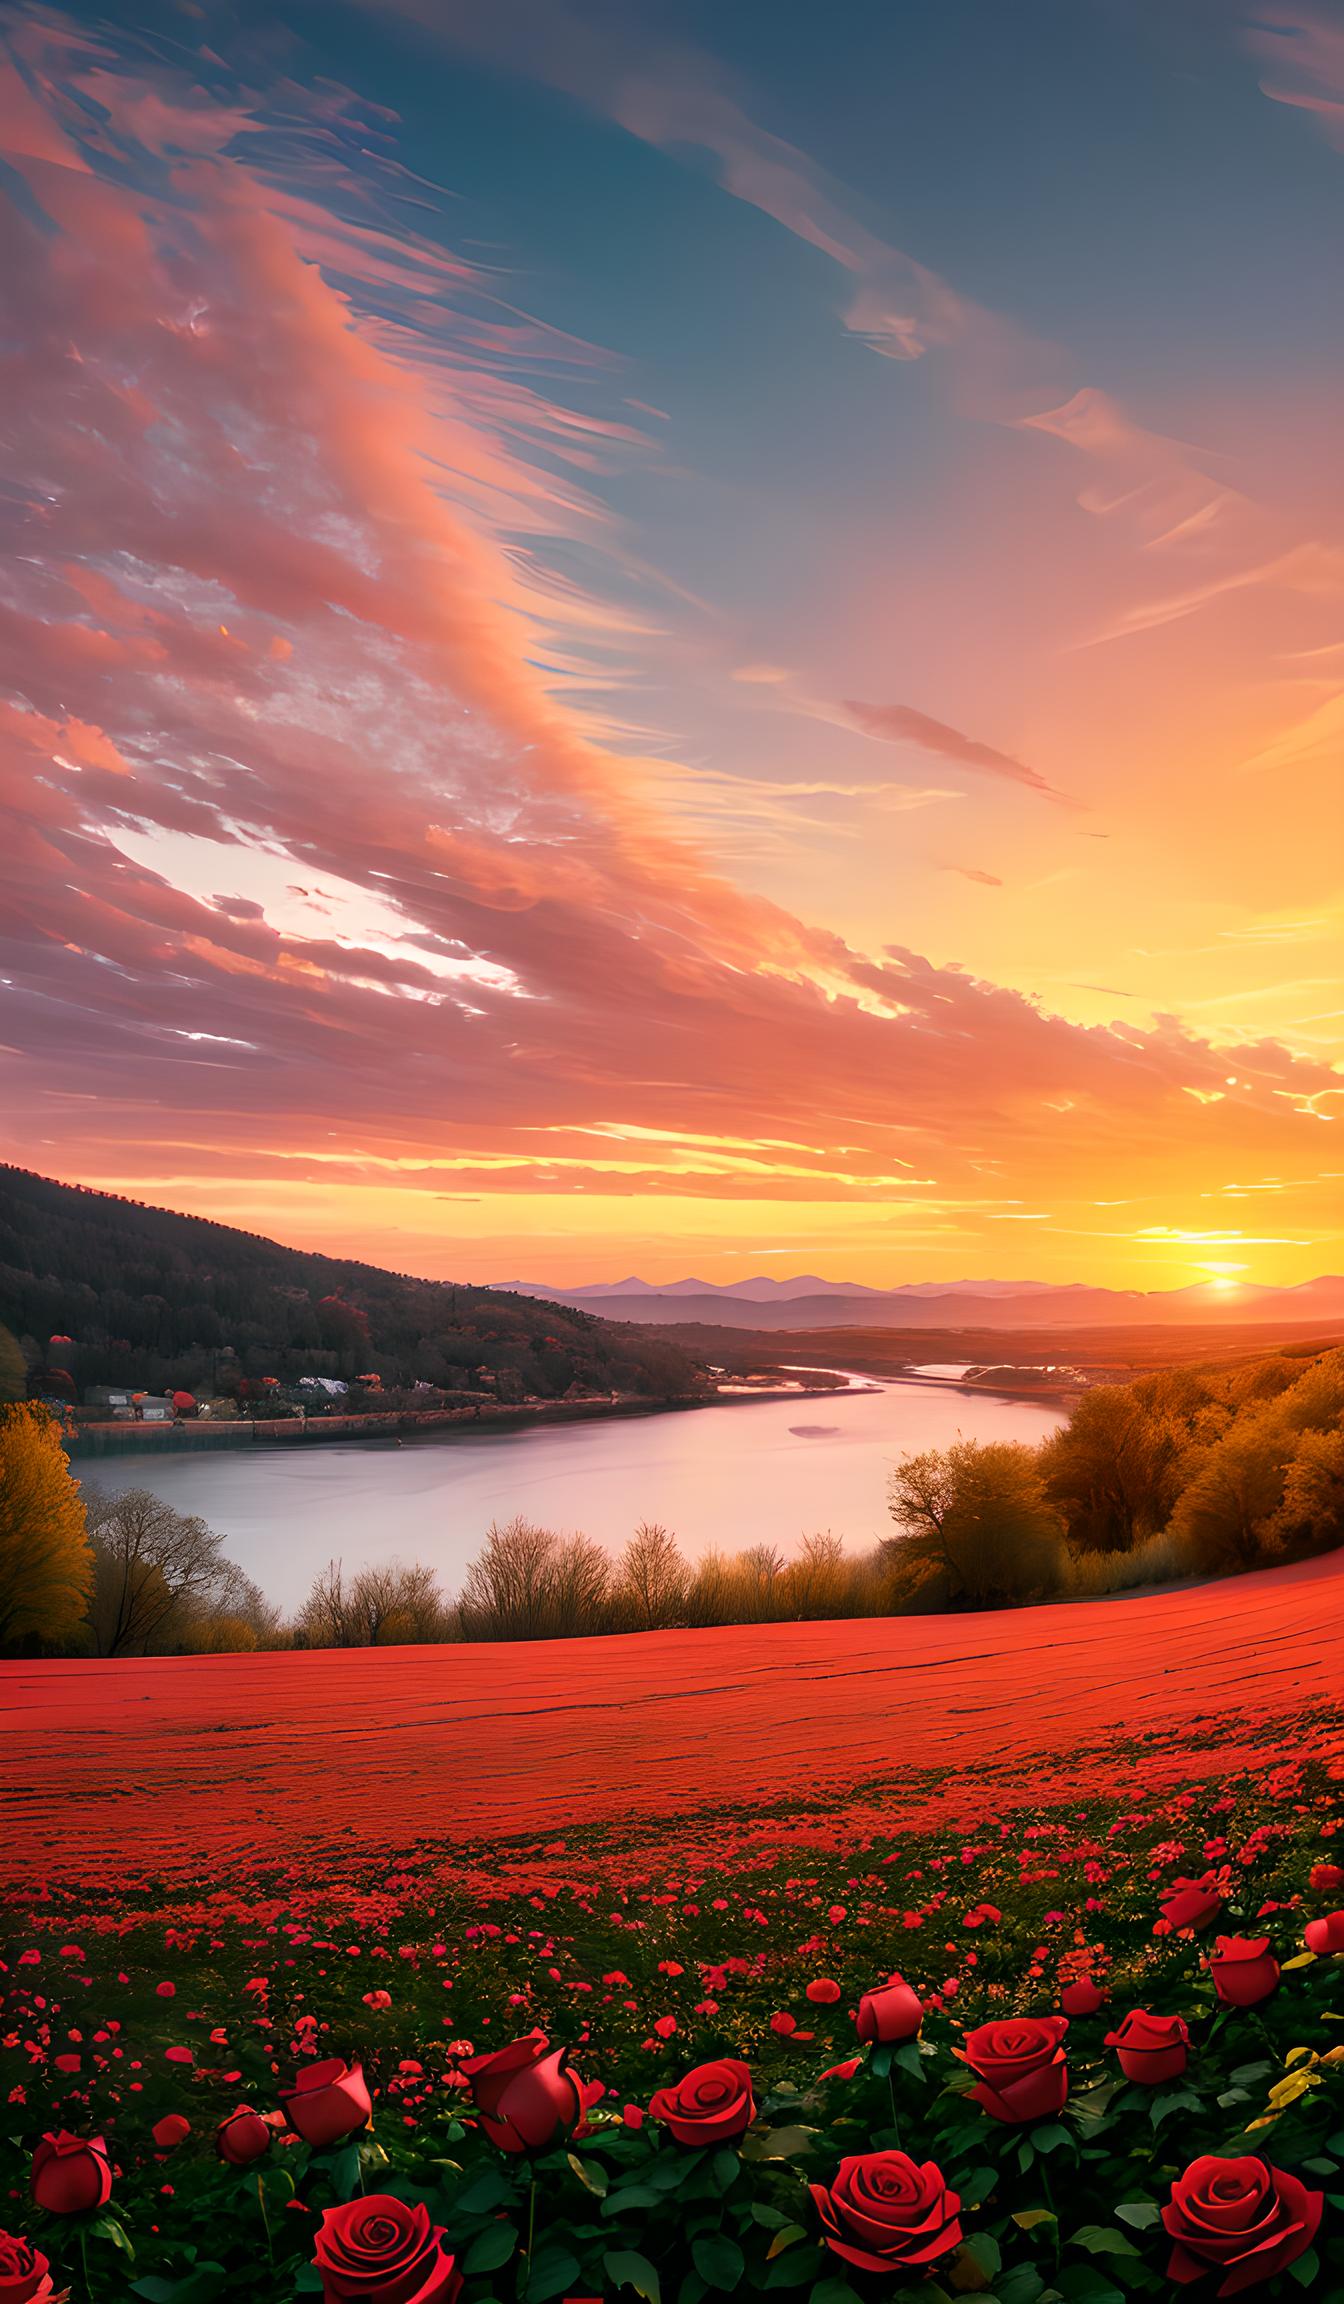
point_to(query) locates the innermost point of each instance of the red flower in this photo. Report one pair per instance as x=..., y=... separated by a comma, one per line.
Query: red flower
x=1151, y=2048
x=823, y=1991
x=884, y=2213
x=1082, y=1997
x=712, y=2105
x=1019, y=2064
x=378, y=2250
x=1244, y=1970
x=1238, y=2217
x=1323, y=1876
x=1192, y=1903
x=1325, y=1935
x=328, y=2101
x=171, y=2130
x=891, y=2012
x=527, y=2097
x=25, y=2275
x=243, y=2137
x=71, y=2174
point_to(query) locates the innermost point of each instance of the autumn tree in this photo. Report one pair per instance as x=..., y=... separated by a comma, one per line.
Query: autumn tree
x=1113, y=1469
x=46, y=1566
x=529, y=1583
x=977, y=1517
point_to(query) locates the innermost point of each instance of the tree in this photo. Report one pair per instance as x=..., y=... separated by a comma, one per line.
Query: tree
x=651, y=1580
x=1113, y=1469
x=1223, y=1516
x=1310, y=1515
x=46, y=1566
x=978, y=1516
x=156, y=1572
x=384, y=1606
x=13, y=1370
x=530, y=1584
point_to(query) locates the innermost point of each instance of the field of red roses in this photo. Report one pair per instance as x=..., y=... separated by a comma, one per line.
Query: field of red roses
x=1086, y=2046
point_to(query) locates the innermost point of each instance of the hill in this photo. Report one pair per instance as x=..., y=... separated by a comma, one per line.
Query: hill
x=152, y=1299
x=806, y=1303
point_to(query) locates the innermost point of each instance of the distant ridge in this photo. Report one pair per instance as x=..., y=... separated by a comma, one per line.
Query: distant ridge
x=807, y=1302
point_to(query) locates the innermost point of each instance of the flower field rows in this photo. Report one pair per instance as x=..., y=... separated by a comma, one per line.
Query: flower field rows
x=1110, y=2066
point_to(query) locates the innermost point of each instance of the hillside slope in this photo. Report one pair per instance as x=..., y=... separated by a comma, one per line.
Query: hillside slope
x=154, y=1299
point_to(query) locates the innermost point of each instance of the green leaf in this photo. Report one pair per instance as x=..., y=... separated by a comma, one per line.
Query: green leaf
x=907, y=2056
x=1139, y=2213
x=793, y=2269
x=1305, y=2270
x=594, y=2178
x=1173, y=2100
x=345, y=2172
x=1027, y=2219
x=984, y=2251
x=484, y=2194
x=107, y=2228
x=724, y=2169
x=833, y=2292
x=1023, y=2285
x=630, y=2196
x=550, y=2270
x=1100, y=2240
x=1050, y=2137
x=308, y=2280
x=1081, y=2285
x=490, y=2249
x=785, y=2238
x=628, y=2269
x=718, y=2260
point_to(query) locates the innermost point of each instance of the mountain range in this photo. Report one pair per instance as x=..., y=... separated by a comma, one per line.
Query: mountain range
x=805, y=1301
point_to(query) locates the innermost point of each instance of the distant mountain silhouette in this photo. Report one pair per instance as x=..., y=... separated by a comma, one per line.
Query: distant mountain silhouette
x=806, y=1302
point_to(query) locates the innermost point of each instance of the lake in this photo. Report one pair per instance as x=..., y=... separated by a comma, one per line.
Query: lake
x=767, y=1471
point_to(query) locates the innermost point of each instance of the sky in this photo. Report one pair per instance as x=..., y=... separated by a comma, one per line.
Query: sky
x=657, y=638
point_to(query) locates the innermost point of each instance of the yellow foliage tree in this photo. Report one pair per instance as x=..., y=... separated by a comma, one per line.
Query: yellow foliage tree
x=46, y=1566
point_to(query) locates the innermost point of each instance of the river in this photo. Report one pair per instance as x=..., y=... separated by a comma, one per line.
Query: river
x=761, y=1471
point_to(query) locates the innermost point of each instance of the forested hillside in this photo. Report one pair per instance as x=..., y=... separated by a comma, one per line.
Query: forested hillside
x=153, y=1299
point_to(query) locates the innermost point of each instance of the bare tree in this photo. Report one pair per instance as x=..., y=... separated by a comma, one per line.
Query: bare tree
x=390, y=1605
x=652, y=1580
x=530, y=1584
x=155, y=1572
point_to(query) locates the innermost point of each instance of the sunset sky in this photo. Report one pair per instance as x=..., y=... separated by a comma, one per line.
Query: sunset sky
x=680, y=638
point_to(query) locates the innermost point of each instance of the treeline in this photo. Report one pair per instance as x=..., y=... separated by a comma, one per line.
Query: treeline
x=1190, y=1473
x=160, y=1302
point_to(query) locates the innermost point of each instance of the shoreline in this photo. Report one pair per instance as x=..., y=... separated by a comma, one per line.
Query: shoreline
x=88, y=1443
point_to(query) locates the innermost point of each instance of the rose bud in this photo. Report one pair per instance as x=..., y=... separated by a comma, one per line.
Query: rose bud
x=823, y=1991
x=1082, y=1997
x=1192, y=1903
x=526, y=2096
x=1238, y=2217
x=168, y=2132
x=883, y=2213
x=377, y=2250
x=1019, y=2064
x=1325, y=1935
x=890, y=2013
x=712, y=2105
x=1151, y=2048
x=25, y=2275
x=243, y=2137
x=328, y=2101
x=71, y=2174
x=1244, y=1970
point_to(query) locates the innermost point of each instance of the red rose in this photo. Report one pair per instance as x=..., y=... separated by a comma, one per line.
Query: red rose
x=170, y=2131
x=892, y=2012
x=71, y=2174
x=1244, y=1970
x=243, y=2137
x=527, y=2097
x=1325, y=1935
x=1239, y=2217
x=1323, y=1876
x=1020, y=2066
x=1151, y=2048
x=25, y=2275
x=884, y=2213
x=328, y=2101
x=1082, y=1997
x=712, y=2105
x=377, y=2250
x=1192, y=1903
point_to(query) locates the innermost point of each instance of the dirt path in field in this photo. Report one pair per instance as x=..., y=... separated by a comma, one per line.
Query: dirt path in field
x=173, y=1766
